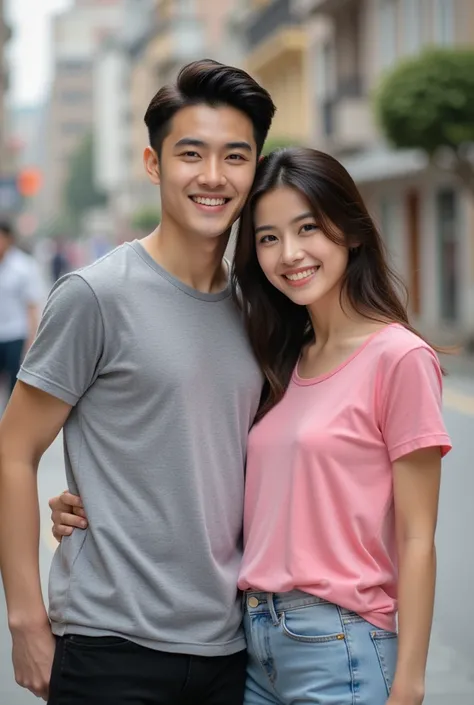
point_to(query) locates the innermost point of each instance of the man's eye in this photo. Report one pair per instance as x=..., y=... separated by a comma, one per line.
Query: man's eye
x=236, y=157
x=190, y=154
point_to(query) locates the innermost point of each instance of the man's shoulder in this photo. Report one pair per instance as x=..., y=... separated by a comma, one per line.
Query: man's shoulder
x=109, y=272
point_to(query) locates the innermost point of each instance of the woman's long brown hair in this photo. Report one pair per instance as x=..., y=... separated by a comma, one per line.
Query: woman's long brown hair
x=277, y=327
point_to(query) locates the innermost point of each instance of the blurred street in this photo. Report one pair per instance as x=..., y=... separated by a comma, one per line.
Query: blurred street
x=451, y=668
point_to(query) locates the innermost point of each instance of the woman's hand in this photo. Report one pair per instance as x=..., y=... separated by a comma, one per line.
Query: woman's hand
x=406, y=695
x=67, y=514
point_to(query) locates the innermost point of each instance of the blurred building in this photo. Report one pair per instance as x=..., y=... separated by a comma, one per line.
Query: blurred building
x=277, y=54
x=426, y=217
x=76, y=35
x=5, y=34
x=156, y=39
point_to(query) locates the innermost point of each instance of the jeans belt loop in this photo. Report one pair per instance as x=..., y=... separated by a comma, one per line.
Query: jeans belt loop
x=271, y=607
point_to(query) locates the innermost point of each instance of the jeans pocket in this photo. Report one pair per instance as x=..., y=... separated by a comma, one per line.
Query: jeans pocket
x=318, y=623
x=386, y=647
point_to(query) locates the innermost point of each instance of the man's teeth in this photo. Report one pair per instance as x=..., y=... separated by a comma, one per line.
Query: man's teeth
x=209, y=201
x=301, y=275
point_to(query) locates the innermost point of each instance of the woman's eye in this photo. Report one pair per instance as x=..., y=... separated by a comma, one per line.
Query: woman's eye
x=309, y=227
x=267, y=238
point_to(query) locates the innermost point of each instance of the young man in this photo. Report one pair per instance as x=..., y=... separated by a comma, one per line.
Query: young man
x=20, y=297
x=143, y=361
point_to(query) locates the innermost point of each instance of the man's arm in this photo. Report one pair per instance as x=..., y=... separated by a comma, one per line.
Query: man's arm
x=30, y=424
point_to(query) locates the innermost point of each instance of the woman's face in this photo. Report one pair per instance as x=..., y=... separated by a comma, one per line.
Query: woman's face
x=293, y=252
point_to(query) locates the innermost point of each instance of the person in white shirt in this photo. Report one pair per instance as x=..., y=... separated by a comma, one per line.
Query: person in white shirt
x=20, y=299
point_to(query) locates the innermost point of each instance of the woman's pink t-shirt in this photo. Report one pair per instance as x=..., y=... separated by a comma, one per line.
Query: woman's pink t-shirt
x=319, y=511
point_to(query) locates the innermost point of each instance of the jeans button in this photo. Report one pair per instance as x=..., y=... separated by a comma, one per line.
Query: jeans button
x=252, y=602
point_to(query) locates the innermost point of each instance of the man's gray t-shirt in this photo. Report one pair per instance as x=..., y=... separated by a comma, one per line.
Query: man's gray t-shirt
x=164, y=389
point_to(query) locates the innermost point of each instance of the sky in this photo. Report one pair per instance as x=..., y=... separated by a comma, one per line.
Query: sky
x=30, y=47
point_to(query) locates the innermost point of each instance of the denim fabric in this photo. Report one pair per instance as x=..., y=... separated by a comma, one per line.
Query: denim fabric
x=303, y=649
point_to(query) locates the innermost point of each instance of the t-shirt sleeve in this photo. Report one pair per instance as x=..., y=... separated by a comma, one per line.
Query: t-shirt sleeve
x=66, y=355
x=412, y=405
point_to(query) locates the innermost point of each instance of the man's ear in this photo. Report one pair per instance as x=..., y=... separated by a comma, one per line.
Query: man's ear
x=152, y=165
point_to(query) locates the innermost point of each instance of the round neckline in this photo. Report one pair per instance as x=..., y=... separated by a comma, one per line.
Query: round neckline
x=214, y=297
x=305, y=381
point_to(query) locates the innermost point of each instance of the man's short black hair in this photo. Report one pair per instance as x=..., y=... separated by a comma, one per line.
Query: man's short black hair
x=210, y=83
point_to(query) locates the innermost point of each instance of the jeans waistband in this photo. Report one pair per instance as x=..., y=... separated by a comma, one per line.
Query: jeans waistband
x=276, y=602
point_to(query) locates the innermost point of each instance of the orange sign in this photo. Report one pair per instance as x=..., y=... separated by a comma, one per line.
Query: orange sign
x=29, y=181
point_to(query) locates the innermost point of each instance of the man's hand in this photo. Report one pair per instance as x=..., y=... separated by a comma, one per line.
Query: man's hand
x=33, y=654
x=67, y=514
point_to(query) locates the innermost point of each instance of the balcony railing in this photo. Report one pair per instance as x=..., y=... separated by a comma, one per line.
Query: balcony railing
x=263, y=24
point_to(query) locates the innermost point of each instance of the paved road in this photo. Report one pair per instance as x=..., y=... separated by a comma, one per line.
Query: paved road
x=451, y=666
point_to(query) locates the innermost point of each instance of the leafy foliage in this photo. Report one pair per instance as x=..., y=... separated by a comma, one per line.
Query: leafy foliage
x=80, y=192
x=427, y=102
x=274, y=143
x=146, y=219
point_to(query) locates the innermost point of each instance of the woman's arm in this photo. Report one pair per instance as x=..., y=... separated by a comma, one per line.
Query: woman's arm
x=416, y=493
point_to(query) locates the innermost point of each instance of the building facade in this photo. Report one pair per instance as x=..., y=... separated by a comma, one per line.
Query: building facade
x=277, y=54
x=77, y=34
x=425, y=216
x=4, y=37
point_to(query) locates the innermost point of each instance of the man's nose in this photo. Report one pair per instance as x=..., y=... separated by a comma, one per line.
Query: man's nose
x=212, y=174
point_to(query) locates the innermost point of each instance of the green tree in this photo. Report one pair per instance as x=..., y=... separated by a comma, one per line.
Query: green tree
x=81, y=192
x=146, y=219
x=427, y=102
x=273, y=143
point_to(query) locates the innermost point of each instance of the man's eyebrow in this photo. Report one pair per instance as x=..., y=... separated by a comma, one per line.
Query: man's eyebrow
x=303, y=216
x=239, y=145
x=193, y=142
x=190, y=142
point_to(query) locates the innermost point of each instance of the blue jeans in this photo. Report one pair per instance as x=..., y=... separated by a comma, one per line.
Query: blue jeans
x=303, y=649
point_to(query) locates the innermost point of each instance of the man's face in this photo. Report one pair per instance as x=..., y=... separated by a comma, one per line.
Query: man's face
x=206, y=169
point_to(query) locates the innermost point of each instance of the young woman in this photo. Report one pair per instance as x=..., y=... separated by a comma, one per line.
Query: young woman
x=343, y=463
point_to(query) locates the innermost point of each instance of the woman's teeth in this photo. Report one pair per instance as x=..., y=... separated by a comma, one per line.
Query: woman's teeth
x=301, y=275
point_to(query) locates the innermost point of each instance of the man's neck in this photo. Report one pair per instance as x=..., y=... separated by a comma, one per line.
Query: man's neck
x=196, y=262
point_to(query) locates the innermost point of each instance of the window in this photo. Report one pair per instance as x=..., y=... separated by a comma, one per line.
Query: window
x=412, y=32
x=388, y=32
x=443, y=21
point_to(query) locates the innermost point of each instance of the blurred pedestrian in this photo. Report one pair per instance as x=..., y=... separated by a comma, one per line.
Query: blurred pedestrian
x=20, y=298
x=59, y=262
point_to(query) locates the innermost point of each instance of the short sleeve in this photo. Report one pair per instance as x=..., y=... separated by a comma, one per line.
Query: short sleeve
x=65, y=357
x=412, y=405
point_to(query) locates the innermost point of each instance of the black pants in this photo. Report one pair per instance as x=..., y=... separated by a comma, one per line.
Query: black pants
x=10, y=360
x=113, y=671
